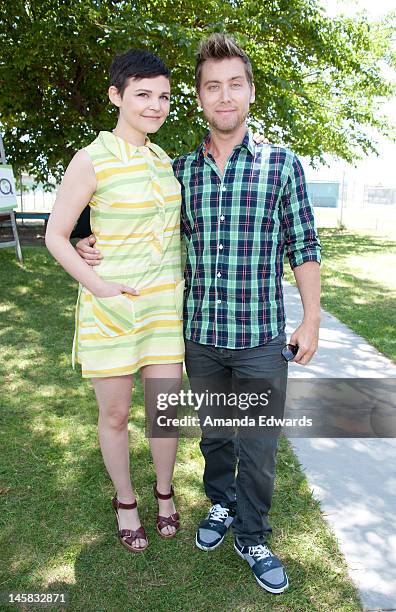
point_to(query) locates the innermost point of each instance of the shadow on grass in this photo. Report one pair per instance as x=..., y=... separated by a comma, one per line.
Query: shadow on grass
x=338, y=244
x=62, y=523
x=58, y=530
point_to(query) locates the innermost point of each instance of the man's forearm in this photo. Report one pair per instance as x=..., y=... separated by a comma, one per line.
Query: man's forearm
x=308, y=282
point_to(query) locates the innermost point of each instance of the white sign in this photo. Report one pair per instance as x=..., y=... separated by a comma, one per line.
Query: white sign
x=8, y=198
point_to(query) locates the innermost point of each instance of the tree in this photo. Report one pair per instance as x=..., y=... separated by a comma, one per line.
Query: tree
x=319, y=81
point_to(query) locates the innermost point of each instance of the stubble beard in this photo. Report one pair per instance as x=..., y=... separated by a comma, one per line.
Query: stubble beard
x=227, y=127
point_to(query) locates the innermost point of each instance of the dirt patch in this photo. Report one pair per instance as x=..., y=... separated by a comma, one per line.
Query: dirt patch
x=29, y=234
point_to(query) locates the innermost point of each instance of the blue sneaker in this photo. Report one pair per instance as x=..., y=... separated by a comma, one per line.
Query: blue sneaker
x=211, y=531
x=267, y=568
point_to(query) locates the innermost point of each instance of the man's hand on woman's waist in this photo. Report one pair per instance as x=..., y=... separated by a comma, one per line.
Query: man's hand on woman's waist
x=87, y=251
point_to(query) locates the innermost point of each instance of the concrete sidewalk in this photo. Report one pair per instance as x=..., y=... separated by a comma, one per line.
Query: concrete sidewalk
x=354, y=479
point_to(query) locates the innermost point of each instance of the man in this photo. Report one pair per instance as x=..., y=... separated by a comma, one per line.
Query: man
x=244, y=204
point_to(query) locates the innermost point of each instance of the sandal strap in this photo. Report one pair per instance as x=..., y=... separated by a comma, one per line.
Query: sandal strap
x=161, y=495
x=132, y=535
x=168, y=521
x=117, y=504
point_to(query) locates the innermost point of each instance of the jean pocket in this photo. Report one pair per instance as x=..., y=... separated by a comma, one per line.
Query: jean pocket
x=114, y=316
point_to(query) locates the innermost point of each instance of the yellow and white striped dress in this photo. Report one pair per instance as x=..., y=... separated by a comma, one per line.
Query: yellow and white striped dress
x=135, y=216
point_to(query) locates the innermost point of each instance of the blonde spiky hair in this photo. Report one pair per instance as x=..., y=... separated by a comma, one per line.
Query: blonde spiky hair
x=220, y=46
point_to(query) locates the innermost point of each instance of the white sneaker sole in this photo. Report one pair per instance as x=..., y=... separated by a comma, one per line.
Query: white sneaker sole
x=207, y=548
x=265, y=586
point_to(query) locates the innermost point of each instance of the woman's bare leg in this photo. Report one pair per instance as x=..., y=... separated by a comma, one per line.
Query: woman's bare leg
x=163, y=450
x=113, y=395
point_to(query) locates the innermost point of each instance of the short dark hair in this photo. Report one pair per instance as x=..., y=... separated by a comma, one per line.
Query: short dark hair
x=136, y=63
x=219, y=46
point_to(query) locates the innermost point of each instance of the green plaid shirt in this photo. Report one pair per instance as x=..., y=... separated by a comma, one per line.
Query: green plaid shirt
x=237, y=228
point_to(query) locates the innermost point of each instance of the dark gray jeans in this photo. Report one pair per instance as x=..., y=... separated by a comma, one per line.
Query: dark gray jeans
x=249, y=492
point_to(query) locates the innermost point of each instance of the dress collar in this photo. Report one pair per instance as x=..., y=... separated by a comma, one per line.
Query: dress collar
x=124, y=150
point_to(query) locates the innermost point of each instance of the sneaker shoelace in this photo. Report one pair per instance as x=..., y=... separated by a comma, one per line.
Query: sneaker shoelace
x=259, y=552
x=218, y=513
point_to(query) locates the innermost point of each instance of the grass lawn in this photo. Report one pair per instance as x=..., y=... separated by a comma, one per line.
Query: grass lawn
x=56, y=523
x=359, y=285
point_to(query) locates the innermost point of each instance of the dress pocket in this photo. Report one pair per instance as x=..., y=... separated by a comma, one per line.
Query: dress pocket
x=114, y=316
x=179, y=299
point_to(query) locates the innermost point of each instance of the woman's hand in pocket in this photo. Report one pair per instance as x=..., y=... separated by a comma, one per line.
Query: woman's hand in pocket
x=110, y=289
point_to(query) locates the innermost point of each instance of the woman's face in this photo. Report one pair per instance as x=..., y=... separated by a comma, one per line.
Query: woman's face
x=145, y=103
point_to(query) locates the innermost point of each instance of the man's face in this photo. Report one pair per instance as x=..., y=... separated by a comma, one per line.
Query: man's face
x=225, y=94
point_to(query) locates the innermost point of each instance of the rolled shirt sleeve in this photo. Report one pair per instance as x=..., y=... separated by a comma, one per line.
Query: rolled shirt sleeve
x=302, y=241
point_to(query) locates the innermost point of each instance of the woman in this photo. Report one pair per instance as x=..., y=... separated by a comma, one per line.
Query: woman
x=129, y=312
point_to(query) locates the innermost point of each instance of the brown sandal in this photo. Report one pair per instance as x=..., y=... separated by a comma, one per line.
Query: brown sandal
x=167, y=521
x=127, y=536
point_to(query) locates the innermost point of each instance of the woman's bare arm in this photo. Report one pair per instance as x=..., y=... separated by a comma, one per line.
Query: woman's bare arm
x=75, y=192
